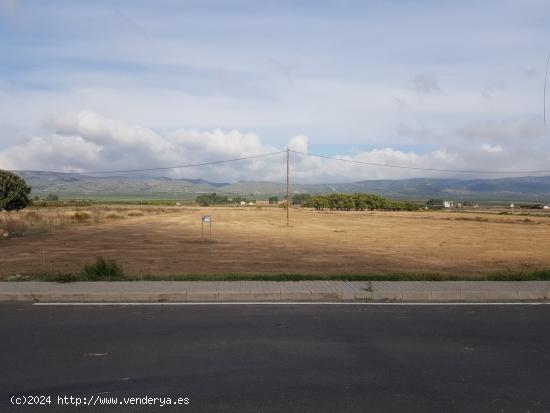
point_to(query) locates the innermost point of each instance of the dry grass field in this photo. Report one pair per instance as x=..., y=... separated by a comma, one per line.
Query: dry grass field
x=167, y=241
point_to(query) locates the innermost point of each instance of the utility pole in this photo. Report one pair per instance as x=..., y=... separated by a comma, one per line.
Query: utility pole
x=287, y=187
x=544, y=93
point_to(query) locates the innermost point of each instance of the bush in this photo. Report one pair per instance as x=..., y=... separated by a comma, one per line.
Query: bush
x=135, y=214
x=14, y=191
x=213, y=198
x=81, y=216
x=12, y=227
x=52, y=197
x=102, y=269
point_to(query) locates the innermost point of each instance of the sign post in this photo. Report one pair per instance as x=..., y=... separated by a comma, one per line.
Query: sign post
x=206, y=219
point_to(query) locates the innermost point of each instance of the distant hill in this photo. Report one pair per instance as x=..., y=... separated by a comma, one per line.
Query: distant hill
x=536, y=189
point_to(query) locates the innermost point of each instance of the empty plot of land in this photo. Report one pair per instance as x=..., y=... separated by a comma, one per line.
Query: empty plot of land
x=257, y=241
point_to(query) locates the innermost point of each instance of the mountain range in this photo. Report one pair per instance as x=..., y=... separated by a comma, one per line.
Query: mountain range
x=530, y=188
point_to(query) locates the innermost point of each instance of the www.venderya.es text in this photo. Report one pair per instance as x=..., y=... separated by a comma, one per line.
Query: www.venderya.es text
x=98, y=400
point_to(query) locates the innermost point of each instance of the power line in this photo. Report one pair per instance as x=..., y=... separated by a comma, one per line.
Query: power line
x=156, y=169
x=385, y=165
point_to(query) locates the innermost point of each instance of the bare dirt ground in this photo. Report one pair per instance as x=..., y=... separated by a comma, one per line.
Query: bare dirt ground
x=257, y=241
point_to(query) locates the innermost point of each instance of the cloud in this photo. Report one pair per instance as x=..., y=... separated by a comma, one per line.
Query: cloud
x=401, y=103
x=426, y=83
x=505, y=130
x=298, y=143
x=491, y=148
x=89, y=141
x=489, y=91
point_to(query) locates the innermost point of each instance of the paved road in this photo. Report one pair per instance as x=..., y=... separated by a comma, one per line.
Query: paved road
x=281, y=358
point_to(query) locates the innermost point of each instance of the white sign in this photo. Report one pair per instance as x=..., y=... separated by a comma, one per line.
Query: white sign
x=206, y=218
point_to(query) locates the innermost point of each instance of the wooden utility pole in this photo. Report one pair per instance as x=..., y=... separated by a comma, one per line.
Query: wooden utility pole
x=287, y=187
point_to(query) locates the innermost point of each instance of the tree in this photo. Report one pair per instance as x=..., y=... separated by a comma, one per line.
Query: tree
x=341, y=202
x=273, y=200
x=319, y=202
x=52, y=197
x=300, y=199
x=361, y=201
x=213, y=198
x=14, y=191
x=357, y=202
x=434, y=203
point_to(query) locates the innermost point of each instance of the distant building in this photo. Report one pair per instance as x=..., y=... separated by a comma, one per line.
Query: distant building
x=448, y=204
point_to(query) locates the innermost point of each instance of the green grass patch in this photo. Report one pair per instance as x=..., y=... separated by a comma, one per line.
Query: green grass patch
x=102, y=270
x=108, y=270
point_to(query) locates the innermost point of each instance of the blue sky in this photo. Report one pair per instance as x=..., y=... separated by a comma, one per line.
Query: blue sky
x=421, y=83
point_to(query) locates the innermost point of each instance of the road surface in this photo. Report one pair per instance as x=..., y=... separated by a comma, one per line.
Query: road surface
x=284, y=358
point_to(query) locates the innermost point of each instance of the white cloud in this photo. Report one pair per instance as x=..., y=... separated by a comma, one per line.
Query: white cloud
x=53, y=152
x=298, y=143
x=88, y=141
x=491, y=148
x=517, y=130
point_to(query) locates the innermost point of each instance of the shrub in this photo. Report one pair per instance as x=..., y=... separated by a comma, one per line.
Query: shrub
x=81, y=216
x=63, y=278
x=102, y=269
x=14, y=191
x=52, y=197
x=114, y=216
x=135, y=214
x=11, y=227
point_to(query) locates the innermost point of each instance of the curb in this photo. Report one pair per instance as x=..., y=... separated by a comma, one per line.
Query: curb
x=301, y=291
x=378, y=296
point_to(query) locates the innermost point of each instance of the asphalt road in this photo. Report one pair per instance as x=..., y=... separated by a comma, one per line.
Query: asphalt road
x=280, y=358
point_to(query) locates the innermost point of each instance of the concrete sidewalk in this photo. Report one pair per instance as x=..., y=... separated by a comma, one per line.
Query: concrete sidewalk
x=218, y=291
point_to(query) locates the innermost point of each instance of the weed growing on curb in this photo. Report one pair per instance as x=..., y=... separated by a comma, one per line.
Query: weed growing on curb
x=102, y=270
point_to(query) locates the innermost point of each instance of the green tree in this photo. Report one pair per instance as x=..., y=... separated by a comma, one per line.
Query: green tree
x=14, y=191
x=361, y=201
x=52, y=197
x=213, y=198
x=300, y=199
x=273, y=200
x=341, y=202
x=434, y=203
x=319, y=202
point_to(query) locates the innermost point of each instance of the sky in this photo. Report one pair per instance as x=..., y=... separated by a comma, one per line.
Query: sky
x=99, y=85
